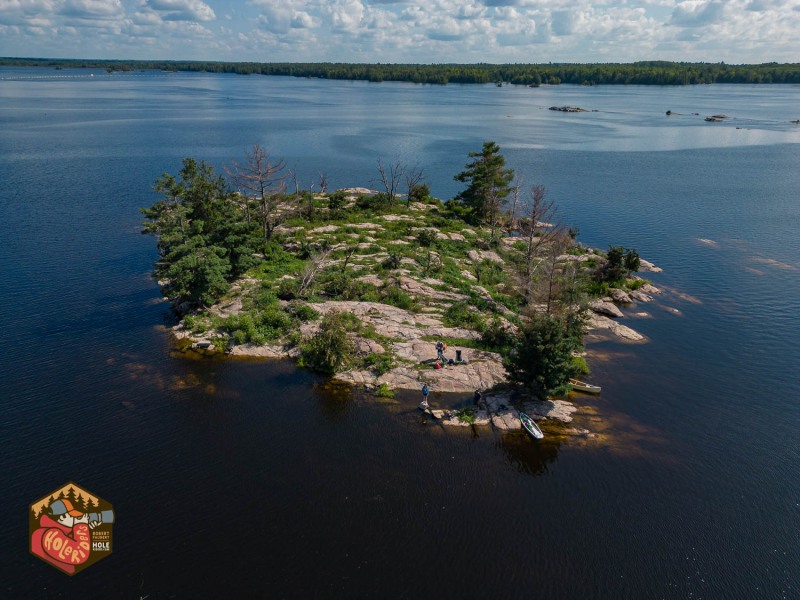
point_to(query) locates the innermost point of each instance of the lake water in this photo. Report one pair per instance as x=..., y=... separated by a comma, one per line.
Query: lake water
x=239, y=479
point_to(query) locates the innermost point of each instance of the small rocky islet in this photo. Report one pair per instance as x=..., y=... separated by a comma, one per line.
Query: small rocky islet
x=410, y=296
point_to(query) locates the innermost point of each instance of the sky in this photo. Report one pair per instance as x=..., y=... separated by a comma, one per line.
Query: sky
x=404, y=31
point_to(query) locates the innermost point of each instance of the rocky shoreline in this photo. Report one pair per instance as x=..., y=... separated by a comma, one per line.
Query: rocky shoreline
x=411, y=334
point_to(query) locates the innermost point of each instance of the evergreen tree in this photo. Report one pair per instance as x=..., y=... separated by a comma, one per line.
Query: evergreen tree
x=204, y=237
x=489, y=183
x=542, y=359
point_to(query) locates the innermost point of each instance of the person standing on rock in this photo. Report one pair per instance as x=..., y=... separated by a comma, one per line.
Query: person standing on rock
x=440, y=351
x=425, y=391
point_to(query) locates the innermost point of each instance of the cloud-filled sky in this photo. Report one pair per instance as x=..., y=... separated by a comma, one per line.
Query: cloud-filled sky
x=419, y=31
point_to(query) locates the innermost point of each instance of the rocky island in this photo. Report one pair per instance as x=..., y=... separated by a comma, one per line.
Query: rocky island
x=362, y=284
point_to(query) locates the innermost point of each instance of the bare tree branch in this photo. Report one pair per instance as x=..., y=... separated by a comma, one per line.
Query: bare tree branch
x=390, y=177
x=261, y=182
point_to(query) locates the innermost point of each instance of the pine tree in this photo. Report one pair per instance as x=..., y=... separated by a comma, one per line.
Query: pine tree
x=489, y=183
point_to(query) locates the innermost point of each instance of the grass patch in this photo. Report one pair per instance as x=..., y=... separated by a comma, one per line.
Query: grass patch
x=466, y=415
x=461, y=314
x=379, y=363
x=384, y=391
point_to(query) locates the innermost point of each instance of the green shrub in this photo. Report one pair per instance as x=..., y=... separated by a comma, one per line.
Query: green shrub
x=393, y=261
x=337, y=200
x=461, y=314
x=273, y=322
x=396, y=297
x=194, y=323
x=380, y=363
x=266, y=297
x=631, y=284
x=303, y=311
x=384, y=391
x=580, y=364
x=597, y=288
x=488, y=272
x=419, y=193
x=466, y=415
x=496, y=338
x=331, y=350
x=287, y=289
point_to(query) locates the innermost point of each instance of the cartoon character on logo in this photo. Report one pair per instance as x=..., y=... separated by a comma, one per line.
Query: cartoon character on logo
x=64, y=535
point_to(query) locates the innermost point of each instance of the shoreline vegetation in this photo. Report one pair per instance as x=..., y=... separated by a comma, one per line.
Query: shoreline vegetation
x=362, y=284
x=533, y=75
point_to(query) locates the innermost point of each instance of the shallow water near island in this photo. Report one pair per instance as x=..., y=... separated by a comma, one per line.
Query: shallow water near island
x=250, y=479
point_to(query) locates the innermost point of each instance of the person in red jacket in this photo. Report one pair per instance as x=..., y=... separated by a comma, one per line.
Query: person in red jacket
x=63, y=538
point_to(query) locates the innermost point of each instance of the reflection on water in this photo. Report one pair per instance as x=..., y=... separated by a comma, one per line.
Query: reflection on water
x=528, y=455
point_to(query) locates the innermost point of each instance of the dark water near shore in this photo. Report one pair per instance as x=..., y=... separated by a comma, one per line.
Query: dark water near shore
x=250, y=479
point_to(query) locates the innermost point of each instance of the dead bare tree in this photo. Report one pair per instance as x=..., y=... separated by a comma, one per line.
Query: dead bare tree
x=543, y=225
x=391, y=177
x=494, y=203
x=323, y=182
x=317, y=263
x=262, y=182
x=551, y=284
x=516, y=192
x=414, y=176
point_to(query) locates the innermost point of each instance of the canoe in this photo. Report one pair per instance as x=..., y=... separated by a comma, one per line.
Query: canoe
x=530, y=426
x=582, y=386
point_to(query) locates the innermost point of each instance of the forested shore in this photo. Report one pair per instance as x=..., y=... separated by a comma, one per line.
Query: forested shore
x=638, y=73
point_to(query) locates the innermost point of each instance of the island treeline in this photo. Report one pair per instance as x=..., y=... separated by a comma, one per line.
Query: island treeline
x=249, y=263
x=638, y=73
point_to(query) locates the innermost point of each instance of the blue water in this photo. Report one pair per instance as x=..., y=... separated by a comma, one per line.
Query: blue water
x=251, y=479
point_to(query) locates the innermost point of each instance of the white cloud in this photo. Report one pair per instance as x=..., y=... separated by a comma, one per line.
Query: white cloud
x=406, y=30
x=344, y=15
x=182, y=10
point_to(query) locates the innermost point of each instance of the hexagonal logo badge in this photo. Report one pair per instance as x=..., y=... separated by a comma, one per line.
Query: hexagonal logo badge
x=70, y=528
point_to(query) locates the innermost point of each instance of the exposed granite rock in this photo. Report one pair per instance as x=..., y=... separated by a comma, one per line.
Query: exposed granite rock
x=267, y=351
x=371, y=279
x=482, y=292
x=620, y=296
x=420, y=289
x=371, y=226
x=366, y=346
x=648, y=288
x=605, y=308
x=229, y=309
x=325, y=229
x=396, y=218
x=507, y=420
x=482, y=418
x=646, y=265
x=452, y=420
x=560, y=410
x=602, y=322
x=640, y=296
x=481, y=255
x=576, y=257
x=359, y=190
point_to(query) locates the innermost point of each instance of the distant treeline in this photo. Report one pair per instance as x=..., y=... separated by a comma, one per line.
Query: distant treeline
x=638, y=73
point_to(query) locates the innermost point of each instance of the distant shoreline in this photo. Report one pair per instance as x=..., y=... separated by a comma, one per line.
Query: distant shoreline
x=531, y=75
